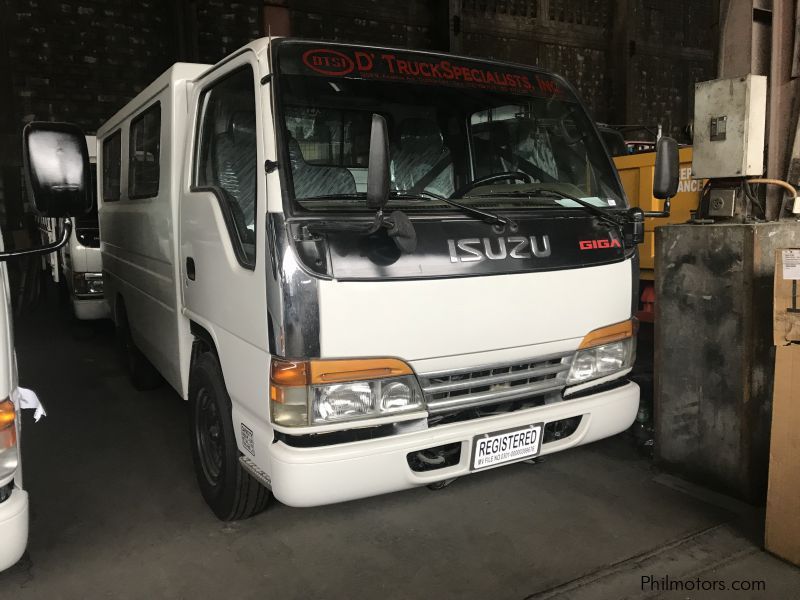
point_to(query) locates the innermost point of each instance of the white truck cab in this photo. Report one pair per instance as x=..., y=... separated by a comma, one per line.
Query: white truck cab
x=78, y=265
x=368, y=269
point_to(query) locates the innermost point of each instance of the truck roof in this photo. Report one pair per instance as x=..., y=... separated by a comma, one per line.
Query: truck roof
x=176, y=73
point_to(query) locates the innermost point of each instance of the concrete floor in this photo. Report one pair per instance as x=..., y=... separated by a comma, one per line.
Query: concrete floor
x=116, y=513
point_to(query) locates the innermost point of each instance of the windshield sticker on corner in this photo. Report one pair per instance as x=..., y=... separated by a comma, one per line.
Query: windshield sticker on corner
x=394, y=66
x=593, y=200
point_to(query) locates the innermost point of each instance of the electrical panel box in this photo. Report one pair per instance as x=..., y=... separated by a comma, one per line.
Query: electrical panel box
x=729, y=122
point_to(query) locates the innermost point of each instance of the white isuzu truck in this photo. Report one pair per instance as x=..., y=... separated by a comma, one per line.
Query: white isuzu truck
x=59, y=183
x=369, y=269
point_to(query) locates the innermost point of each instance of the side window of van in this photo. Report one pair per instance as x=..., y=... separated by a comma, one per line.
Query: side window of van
x=225, y=161
x=112, y=158
x=144, y=153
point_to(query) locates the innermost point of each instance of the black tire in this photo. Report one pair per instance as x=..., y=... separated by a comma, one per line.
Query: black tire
x=230, y=491
x=142, y=373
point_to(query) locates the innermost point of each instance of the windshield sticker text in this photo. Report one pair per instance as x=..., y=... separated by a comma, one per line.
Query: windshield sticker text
x=374, y=64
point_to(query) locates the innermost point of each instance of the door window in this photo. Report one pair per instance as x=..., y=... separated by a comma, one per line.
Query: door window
x=226, y=156
x=143, y=159
x=112, y=148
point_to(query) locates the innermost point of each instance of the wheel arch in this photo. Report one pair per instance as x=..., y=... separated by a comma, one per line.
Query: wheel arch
x=203, y=341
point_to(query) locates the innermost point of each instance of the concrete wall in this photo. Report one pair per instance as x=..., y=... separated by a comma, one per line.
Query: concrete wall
x=634, y=61
x=82, y=60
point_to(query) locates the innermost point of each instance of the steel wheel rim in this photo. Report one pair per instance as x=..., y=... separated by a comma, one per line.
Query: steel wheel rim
x=208, y=436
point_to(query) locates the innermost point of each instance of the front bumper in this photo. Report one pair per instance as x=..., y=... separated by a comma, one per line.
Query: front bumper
x=329, y=474
x=90, y=309
x=13, y=527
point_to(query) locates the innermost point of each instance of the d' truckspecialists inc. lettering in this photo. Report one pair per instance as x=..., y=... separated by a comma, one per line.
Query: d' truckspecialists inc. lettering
x=342, y=61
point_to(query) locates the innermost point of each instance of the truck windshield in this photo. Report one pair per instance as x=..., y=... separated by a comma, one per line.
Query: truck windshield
x=453, y=123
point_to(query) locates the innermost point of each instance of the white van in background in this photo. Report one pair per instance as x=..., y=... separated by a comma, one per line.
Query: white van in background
x=78, y=265
x=59, y=186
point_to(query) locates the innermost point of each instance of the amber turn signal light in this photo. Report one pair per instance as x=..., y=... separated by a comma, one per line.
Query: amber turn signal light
x=8, y=433
x=287, y=373
x=7, y=413
x=611, y=333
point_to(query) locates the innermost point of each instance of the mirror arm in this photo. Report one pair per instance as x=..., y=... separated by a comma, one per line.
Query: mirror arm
x=659, y=213
x=65, y=233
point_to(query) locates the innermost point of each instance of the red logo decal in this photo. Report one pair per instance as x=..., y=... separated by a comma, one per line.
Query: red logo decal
x=598, y=244
x=328, y=62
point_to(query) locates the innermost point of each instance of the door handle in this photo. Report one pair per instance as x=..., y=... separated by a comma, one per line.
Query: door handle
x=190, y=268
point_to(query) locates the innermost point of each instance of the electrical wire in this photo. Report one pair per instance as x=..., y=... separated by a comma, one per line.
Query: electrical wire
x=788, y=187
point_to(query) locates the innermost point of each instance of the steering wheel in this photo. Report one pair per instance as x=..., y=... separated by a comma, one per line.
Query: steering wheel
x=564, y=133
x=512, y=175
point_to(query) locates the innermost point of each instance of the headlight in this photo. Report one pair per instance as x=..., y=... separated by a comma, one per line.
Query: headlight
x=333, y=391
x=87, y=284
x=8, y=439
x=604, y=352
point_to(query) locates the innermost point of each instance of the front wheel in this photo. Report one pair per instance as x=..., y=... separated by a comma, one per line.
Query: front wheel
x=230, y=491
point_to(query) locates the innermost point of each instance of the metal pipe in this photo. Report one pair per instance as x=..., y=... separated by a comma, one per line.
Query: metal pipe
x=4, y=256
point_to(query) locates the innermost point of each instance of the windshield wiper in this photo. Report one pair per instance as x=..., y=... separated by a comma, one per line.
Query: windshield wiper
x=600, y=213
x=344, y=196
x=484, y=215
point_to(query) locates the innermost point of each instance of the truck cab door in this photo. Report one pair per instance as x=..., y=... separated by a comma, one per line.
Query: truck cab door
x=222, y=227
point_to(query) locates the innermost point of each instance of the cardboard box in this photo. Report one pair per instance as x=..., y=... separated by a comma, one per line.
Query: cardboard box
x=782, y=532
x=786, y=315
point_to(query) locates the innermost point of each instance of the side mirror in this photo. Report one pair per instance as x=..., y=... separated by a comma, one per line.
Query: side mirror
x=665, y=177
x=57, y=172
x=378, y=172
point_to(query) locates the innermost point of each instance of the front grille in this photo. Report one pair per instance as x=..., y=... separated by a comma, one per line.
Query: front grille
x=449, y=391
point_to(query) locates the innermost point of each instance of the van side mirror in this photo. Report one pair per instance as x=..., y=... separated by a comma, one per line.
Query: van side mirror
x=666, y=174
x=57, y=172
x=378, y=172
x=665, y=177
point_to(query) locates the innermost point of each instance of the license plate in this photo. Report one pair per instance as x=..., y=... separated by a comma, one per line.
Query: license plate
x=500, y=447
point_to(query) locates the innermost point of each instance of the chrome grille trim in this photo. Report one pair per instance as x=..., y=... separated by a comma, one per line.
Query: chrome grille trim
x=491, y=379
x=466, y=388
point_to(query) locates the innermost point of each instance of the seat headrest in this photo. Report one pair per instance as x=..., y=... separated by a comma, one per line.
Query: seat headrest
x=414, y=132
x=295, y=153
x=242, y=124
